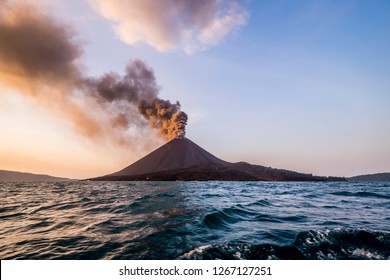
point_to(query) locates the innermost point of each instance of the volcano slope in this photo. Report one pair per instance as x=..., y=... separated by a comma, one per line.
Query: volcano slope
x=182, y=160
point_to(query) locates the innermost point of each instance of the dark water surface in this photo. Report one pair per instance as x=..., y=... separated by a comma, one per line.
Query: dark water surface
x=194, y=220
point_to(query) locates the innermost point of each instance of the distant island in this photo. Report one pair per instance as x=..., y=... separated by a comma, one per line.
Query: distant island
x=182, y=160
x=14, y=176
x=378, y=177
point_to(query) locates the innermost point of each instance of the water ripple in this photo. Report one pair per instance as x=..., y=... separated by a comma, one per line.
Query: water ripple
x=167, y=220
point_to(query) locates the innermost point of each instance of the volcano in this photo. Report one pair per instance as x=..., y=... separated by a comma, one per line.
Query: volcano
x=182, y=160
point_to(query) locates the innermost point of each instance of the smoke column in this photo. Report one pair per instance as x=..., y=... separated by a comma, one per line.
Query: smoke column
x=165, y=116
x=138, y=87
x=39, y=57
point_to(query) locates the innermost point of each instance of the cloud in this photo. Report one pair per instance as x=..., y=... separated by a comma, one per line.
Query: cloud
x=173, y=24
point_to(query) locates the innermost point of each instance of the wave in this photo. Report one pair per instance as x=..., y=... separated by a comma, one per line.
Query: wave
x=308, y=245
x=225, y=217
x=235, y=214
x=262, y=202
x=361, y=194
x=226, y=220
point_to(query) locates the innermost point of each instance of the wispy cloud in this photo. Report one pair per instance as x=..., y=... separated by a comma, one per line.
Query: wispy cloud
x=173, y=24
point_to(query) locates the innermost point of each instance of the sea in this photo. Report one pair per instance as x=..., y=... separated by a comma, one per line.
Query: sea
x=194, y=220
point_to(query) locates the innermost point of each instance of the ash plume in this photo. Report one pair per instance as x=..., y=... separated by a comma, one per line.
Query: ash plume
x=40, y=58
x=165, y=116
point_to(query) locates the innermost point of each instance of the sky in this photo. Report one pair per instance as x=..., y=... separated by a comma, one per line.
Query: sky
x=298, y=85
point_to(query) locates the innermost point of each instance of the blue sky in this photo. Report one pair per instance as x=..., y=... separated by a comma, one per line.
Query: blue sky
x=301, y=85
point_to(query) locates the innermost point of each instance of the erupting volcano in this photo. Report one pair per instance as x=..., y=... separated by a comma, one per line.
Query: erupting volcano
x=182, y=160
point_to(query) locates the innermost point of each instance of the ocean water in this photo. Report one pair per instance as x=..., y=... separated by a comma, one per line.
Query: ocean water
x=195, y=220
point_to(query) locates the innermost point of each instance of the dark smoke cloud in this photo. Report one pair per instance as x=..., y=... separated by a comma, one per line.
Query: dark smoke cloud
x=138, y=87
x=165, y=116
x=35, y=46
x=40, y=58
x=138, y=83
